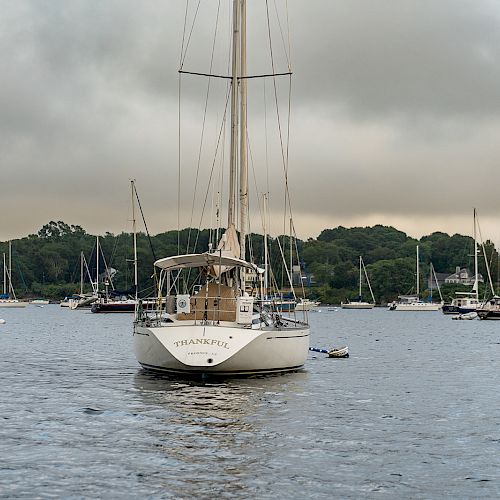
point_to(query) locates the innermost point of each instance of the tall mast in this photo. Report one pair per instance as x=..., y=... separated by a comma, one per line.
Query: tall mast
x=4, y=274
x=243, y=132
x=291, y=253
x=81, y=273
x=418, y=278
x=97, y=267
x=132, y=187
x=234, y=113
x=360, y=278
x=266, y=257
x=11, y=288
x=476, y=282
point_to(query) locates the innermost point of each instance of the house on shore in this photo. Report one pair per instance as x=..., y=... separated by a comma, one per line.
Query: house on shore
x=461, y=276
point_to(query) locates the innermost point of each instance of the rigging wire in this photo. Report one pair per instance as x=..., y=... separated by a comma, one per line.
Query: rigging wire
x=212, y=170
x=145, y=224
x=284, y=148
x=203, y=130
x=282, y=36
x=185, y=49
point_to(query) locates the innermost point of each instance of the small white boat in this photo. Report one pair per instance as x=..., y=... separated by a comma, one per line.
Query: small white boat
x=357, y=305
x=466, y=316
x=339, y=352
x=40, y=302
x=2, y=322
x=416, y=305
x=12, y=303
x=306, y=305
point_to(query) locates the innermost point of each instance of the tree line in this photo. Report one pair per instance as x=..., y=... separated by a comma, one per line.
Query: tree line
x=48, y=263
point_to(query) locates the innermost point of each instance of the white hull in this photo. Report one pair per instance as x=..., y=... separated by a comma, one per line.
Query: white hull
x=466, y=316
x=12, y=303
x=221, y=350
x=40, y=302
x=341, y=352
x=418, y=306
x=84, y=302
x=306, y=305
x=357, y=305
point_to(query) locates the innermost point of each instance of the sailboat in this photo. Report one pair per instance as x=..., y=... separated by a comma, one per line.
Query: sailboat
x=8, y=297
x=121, y=302
x=359, y=304
x=413, y=302
x=490, y=309
x=215, y=327
x=85, y=300
x=467, y=302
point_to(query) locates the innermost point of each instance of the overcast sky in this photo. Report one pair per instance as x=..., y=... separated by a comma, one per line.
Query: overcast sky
x=395, y=112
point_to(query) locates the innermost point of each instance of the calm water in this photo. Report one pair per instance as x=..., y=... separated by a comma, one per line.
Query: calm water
x=414, y=412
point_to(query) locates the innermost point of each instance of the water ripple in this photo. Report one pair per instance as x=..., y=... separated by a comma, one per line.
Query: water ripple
x=413, y=412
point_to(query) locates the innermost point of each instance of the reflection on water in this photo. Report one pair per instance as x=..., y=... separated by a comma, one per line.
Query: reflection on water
x=412, y=413
x=213, y=429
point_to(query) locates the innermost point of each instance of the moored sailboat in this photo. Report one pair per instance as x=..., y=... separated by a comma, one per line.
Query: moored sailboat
x=413, y=302
x=125, y=302
x=211, y=324
x=360, y=304
x=8, y=297
x=467, y=302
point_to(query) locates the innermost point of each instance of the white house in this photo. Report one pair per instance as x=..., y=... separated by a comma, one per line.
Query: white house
x=463, y=276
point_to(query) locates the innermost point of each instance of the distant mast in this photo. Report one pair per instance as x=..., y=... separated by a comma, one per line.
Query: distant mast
x=4, y=275
x=97, y=267
x=134, y=231
x=360, y=261
x=81, y=273
x=476, y=281
x=418, y=278
x=11, y=288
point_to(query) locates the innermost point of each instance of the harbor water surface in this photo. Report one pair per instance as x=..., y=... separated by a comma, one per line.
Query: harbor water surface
x=414, y=412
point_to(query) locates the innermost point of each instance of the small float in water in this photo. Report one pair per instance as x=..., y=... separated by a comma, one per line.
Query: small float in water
x=334, y=352
x=339, y=352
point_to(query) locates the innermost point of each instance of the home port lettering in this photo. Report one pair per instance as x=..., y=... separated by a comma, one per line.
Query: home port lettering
x=218, y=343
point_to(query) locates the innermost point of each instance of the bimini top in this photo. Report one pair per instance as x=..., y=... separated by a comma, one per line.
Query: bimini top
x=206, y=259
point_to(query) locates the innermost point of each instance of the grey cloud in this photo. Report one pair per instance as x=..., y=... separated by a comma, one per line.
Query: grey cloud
x=397, y=57
x=393, y=101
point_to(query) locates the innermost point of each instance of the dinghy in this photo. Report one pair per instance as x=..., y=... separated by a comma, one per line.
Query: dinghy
x=466, y=316
x=339, y=352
